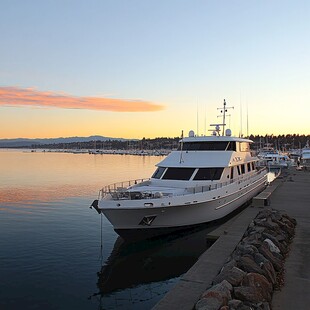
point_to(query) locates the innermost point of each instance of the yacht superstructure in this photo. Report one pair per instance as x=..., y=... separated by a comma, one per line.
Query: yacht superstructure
x=205, y=179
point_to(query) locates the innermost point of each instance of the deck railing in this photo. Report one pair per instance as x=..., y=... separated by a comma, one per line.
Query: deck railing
x=122, y=187
x=119, y=191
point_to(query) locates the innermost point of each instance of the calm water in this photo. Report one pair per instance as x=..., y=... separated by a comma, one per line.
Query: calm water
x=52, y=252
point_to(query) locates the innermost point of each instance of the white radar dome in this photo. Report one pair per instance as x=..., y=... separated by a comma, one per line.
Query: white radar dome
x=228, y=132
x=191, y=134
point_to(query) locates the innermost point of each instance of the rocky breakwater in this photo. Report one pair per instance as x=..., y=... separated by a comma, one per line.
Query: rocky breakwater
x=256, y=267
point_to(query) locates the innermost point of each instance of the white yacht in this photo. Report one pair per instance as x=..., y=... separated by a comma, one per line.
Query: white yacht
x=207, y=178
x=274, y=159
x=305, y=156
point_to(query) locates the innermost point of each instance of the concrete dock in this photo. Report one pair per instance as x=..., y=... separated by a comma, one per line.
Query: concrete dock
x=290, y=193
x=294, y=198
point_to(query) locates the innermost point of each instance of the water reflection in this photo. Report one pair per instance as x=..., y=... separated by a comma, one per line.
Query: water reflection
x=46, y=177
x=136, y=273
x=136, y=263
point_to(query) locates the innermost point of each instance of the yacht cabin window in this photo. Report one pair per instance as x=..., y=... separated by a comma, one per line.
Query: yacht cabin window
x=249, y=167
x=178, y=174
x=158, y=173
x=231, y=173
x=244, y=146
x=208, y=146
x=253, y=165
x=209, y=174
x=238, y=168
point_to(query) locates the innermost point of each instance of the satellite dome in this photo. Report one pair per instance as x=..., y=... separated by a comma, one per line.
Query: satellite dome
x=228, y=132
x=191, y=134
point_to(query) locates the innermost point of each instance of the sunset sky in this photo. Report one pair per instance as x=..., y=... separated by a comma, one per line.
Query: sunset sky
x=152, y=68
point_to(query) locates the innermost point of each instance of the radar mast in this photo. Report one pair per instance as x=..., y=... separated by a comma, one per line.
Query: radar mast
x=224, y=110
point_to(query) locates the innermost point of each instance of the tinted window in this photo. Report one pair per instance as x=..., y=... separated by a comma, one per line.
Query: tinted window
x=208, y=146
x=158, y=173
x=238, y=168
x=231, y=146
x=178, y=173
x=209, y=174
x=249, y=167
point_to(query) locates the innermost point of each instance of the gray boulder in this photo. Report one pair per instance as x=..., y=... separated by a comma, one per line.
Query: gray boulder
x=234, y=276
x=215, y=297
x=261, y=285
x=248, y=264
x=210, y=303
x=277, y=263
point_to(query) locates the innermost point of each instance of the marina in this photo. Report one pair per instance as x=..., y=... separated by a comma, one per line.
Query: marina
x=53, y=226
x=135, y=152
x=128, y=182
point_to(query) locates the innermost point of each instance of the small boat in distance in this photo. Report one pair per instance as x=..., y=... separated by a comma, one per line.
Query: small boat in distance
x=305, y=156
x=274, y=159
x=205, y=179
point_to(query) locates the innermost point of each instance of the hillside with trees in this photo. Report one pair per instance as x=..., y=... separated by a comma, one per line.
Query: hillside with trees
x=281, y=142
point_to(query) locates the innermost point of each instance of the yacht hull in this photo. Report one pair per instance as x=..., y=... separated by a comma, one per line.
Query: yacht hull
x=198, y=209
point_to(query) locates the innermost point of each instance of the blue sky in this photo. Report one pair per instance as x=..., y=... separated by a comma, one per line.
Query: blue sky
x=182, y=55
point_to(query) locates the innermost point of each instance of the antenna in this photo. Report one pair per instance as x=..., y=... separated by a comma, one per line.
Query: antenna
x=197, y=120
x=240, y=117
x=227, y=115
x=181, y=154
x=224, y=110
x=205, y=133
x=247, y=120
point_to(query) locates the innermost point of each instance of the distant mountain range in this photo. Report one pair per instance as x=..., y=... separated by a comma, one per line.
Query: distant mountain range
x=24, y=142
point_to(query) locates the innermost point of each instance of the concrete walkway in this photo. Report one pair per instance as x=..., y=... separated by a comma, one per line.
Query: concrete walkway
x=197, y=279
x=291, y=194
x=294, y=198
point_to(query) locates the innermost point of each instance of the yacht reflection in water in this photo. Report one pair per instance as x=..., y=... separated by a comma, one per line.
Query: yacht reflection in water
x=138, y=274
x=136, y=263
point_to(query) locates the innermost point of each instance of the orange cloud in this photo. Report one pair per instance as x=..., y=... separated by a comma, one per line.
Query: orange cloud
x=15, y=96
